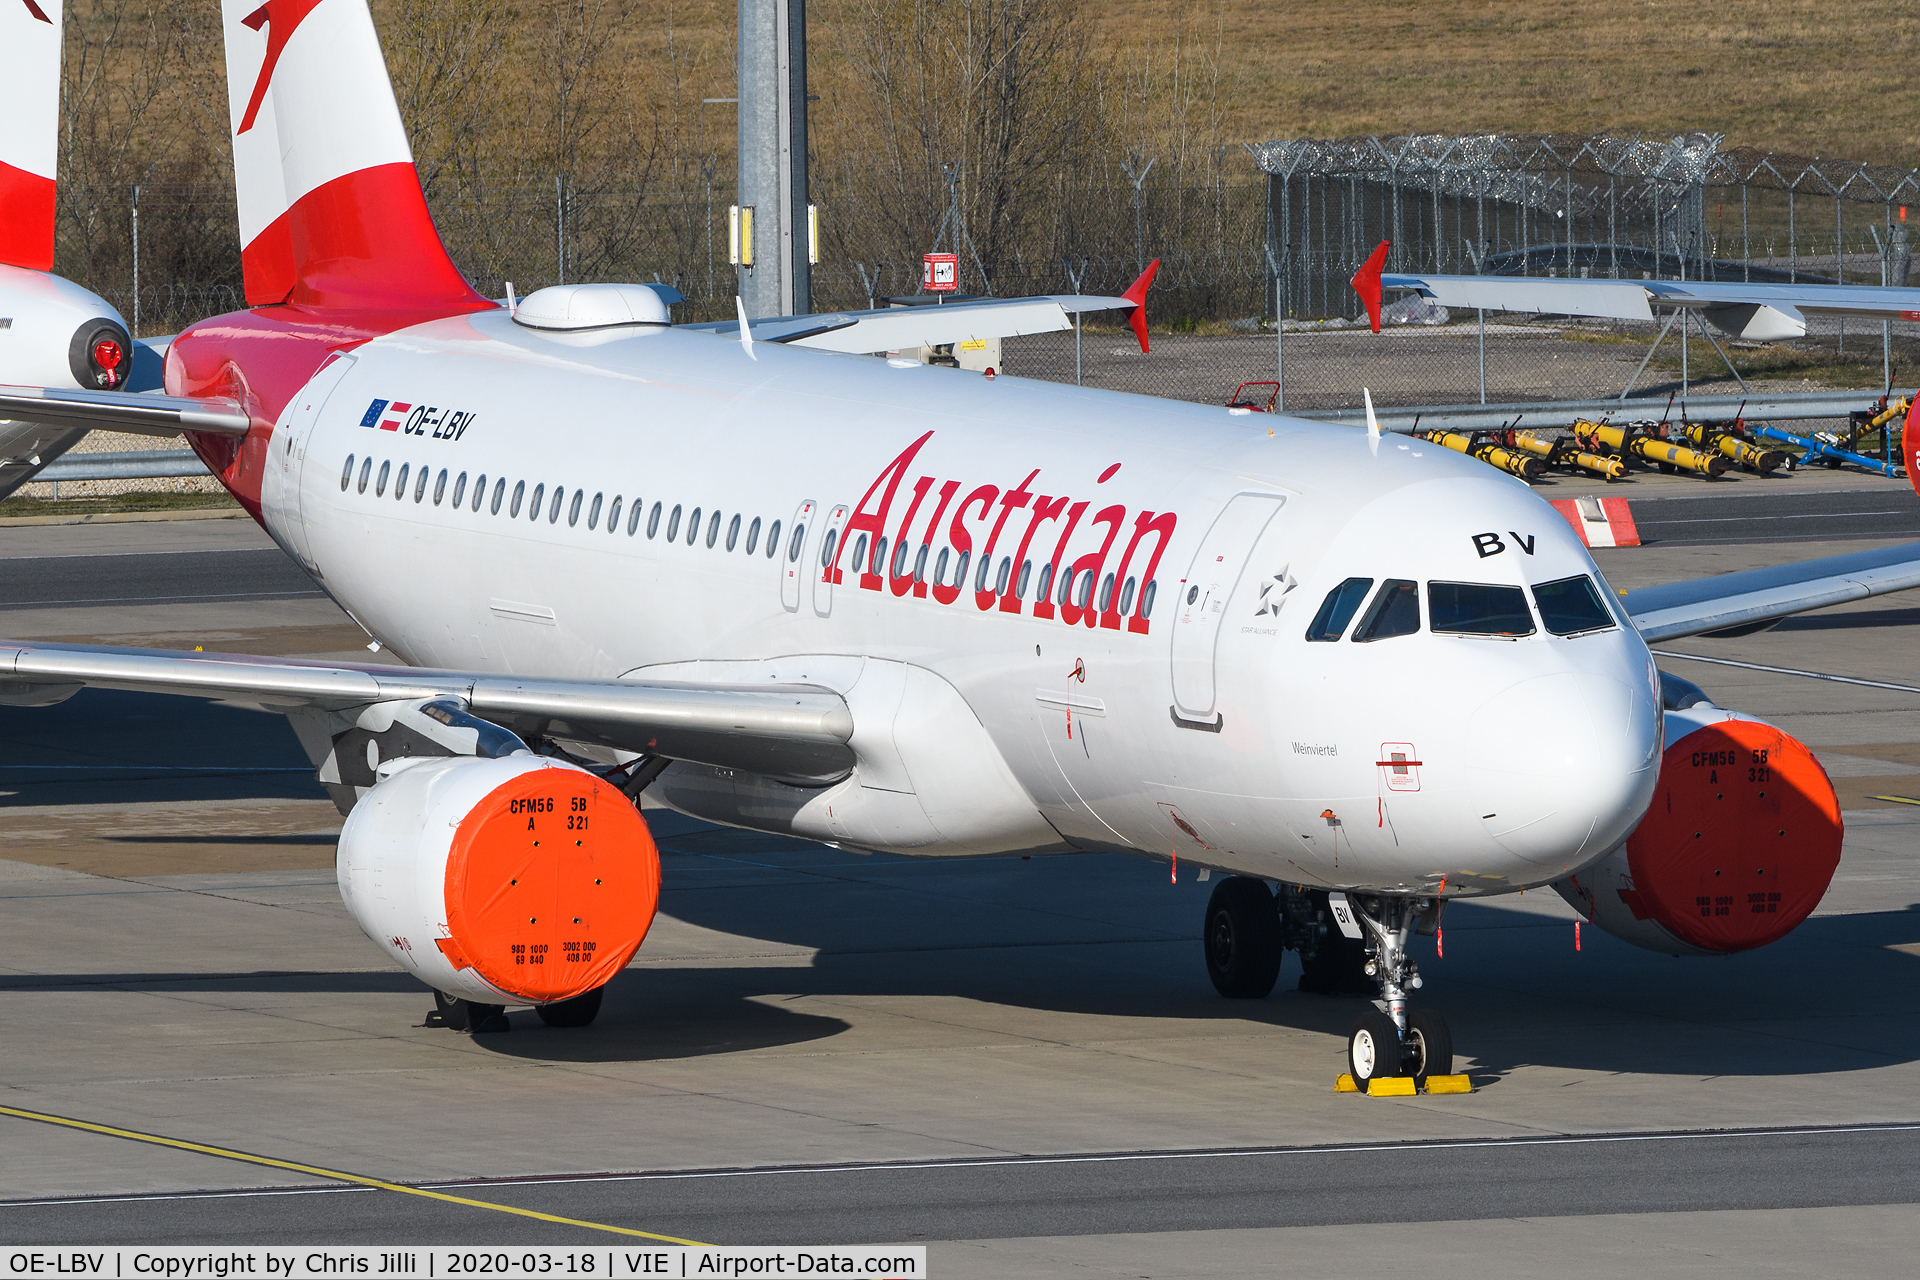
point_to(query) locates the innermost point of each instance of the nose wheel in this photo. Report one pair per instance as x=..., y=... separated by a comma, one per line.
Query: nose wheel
x=1391, y=1039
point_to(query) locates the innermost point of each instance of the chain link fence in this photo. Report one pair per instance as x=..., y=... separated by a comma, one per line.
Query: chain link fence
x=1254, y=264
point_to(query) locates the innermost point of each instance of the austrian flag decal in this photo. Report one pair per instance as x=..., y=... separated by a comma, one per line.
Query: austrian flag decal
x=417, y=419
x=393, y=410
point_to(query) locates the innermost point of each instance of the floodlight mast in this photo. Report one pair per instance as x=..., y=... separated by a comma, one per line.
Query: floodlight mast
x=773, y=157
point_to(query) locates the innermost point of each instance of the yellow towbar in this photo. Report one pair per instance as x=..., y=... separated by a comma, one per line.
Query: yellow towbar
x=1524, y=465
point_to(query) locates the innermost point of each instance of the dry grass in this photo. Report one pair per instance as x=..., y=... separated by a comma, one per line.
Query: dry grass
x=1806, y=76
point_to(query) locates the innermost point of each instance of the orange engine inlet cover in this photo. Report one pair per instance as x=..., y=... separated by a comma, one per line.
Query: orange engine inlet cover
x=552, y=882
x=1741, y=840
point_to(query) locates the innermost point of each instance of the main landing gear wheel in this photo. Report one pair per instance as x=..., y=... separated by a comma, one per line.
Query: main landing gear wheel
x=1373, y=1048
x=1429, y=1046
x=1242, y=939
x=465, y=1015
x=577, y=1012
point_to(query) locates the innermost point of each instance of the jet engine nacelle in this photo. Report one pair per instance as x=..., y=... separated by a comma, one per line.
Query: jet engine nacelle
x=521, y=880
x=58, y=334
x=1737, y=848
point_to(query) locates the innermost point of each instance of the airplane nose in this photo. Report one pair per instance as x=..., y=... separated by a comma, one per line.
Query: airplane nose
x=1561, y=766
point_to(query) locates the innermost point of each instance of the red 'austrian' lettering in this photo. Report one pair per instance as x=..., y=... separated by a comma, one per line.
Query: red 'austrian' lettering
x=1080, y=593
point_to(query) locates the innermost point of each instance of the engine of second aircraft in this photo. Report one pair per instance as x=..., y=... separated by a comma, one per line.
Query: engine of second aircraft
x=1737, y=848
x=501, y=881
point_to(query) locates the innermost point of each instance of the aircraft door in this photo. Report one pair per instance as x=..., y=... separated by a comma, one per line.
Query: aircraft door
x=284, y=503
x=1202, y=602
x=792, y=564
x=830, y=553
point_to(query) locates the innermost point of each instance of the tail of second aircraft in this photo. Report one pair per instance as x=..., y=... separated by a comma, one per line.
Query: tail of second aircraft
x=331, y=211
x=30, y=106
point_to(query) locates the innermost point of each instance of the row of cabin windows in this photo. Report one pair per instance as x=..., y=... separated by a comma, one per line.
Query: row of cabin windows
x=1077, y=590
x=575, y=504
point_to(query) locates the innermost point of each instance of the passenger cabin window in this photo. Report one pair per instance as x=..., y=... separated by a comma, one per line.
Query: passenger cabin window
x=346, y=473
x=1395, y=611
x=420, y=484
x=499, y=487
x=400, y=485
x=673, y=526
x=573, y=508
x=1477, y=609
x=613, y=515
x=460, y=491
x=773, y=540
x=693, y=527
x=553, y=510
x=380, y=485
x=1572, y=606
x=753, y=535
x=713, y=530
x=519, y=496
x=1337, y=610
x=733, y=533
x=593, y=512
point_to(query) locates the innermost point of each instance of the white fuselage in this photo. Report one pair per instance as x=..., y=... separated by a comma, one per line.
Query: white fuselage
x=1210, y=727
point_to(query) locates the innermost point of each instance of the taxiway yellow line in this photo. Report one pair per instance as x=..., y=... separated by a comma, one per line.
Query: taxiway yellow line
x=1896, y=799
x=224, y=1153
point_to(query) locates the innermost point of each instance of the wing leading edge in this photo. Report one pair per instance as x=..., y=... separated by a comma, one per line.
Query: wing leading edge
x=1761, y=312
x=796, y=732
x=1754, y=599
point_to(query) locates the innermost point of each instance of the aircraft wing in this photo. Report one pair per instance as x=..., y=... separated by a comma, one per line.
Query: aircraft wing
x=896, y=328
x=135, y=412
x=799, y=732
x=1761, y=312
x=1754, y=599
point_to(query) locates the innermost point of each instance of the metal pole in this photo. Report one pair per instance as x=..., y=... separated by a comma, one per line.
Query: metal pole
x=1746, y=243
x=1483, y=355
x=771, y=145
x=1139, y=226
x=559, y=230
x=136, y=263
x=1685, y=317
x=1074, y=278
x=1279, y=333
x=1886, y=326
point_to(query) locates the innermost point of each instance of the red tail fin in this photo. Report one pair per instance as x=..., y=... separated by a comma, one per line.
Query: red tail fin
x=331, y=212
x=1137, y=294
x=1366, y=283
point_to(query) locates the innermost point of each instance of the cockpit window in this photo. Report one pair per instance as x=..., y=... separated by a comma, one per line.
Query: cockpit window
x=1337, y=610
x=1571, y=606
x=1395, y=611
x=1478, y=609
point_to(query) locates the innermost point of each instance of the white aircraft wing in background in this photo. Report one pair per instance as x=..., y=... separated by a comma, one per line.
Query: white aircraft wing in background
x=1758, y=312
x=898, y=328
x=1755, y=599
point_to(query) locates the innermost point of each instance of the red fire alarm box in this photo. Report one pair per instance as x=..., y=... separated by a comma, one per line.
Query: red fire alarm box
x=941, y=273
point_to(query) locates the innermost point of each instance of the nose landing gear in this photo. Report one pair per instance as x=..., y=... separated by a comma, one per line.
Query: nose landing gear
x=1248, y=930
x=1390, y=1039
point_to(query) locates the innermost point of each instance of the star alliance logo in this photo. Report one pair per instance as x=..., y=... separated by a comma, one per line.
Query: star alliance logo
x=1274, y=592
